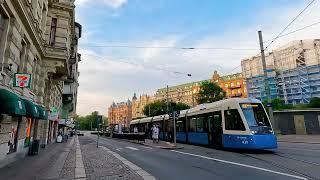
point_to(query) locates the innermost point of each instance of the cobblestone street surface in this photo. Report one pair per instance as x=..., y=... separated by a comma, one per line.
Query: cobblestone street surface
x=69, y=165
x=100, y=164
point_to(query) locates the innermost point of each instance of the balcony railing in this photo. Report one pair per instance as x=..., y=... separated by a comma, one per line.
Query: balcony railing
x=236, y=95
x=235, y=86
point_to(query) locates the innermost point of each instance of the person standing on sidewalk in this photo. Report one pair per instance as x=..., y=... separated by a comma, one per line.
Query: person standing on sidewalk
x=155, y=133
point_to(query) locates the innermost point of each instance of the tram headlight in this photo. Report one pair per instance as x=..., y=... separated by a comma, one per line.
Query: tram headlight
x=271, y=131
x=254, y=132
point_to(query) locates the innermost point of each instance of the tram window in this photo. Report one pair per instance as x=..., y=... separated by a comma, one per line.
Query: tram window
x=193, y=124
x=181, y=125
x=200, y=124
x=233, y=120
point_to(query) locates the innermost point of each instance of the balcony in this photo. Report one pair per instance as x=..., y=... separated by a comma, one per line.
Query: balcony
x=236, y=95
x=235, y=86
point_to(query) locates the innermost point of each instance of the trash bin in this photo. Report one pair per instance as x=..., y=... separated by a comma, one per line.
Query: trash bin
x=35, y=146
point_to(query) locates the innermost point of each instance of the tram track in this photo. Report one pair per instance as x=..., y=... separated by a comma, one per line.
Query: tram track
x=296, y=159
x=283, y=167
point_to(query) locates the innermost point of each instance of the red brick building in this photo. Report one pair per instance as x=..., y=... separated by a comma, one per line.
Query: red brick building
x=120, y=113
x=234, y=85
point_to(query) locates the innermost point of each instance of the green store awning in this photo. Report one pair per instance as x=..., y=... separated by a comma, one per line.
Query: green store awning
x=43, y=114
x=32, y=109
x=11, y=104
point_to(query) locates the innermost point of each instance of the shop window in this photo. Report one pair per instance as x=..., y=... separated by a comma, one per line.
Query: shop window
x=233, y=120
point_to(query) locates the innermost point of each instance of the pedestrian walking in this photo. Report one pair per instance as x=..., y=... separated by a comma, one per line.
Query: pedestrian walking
x=135, y=130
x=155, y=134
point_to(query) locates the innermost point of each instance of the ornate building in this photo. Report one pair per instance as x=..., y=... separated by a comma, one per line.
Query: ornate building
x=120, y=113
x=138, y=105
x=234, y=84
x=185, y=93
x=36, y=38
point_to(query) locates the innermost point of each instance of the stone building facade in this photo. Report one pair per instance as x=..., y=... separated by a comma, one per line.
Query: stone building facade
x=184, y=93
x=234, y=84
x=120, y=113
x=35, y=39
x=138, y=105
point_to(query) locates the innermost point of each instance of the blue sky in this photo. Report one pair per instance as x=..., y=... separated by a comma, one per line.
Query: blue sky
x=181, y=23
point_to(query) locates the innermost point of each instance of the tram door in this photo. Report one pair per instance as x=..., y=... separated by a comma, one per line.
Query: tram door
x=216, y=128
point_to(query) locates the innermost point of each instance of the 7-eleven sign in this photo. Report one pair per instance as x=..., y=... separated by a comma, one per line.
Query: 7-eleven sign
x=22, y=80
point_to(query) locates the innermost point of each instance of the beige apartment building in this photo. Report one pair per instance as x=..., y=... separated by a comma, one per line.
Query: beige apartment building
x=35, y=41
x=138, y=105
x=184, y=93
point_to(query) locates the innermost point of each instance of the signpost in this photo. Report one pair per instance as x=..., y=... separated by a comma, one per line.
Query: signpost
x=174, y=114
x=99, y=121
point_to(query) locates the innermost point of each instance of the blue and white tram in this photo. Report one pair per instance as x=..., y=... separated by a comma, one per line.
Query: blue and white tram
x=240, y=123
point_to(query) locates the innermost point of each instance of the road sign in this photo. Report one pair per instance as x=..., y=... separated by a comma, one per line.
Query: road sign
x=176, y=113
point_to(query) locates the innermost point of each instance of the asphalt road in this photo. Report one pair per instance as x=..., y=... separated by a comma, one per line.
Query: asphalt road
x=289, y=161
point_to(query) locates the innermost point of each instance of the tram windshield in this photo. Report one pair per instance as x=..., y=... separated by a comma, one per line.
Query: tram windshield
x=255, y=114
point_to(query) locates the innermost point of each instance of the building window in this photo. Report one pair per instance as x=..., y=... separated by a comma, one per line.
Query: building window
x=2, y=24
x=53, y=31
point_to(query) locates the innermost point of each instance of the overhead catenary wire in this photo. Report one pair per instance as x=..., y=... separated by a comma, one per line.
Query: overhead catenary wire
x=294, y=31
x=290, y=23
x=291, y=32
x=170, y=47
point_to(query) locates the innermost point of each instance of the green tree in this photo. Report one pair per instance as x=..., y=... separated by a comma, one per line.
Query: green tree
x=314, y=102
x=160, y=107
x=210, y=92
x=155, y=108
x=86, y=122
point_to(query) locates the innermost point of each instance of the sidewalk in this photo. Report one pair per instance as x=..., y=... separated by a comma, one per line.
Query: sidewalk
x=56, y=161
x=101, y=163
x=308, y=139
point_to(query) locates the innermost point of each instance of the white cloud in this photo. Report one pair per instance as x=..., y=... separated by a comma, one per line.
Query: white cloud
x=103, y=80
x=115, y=4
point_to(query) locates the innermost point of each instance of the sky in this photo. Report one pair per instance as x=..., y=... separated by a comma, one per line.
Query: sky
x=222, y=33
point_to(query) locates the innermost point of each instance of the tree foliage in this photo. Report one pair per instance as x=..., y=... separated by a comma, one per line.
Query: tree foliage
x=314, y=102
x=210, y=92
x=160, y=107
x=85, y=122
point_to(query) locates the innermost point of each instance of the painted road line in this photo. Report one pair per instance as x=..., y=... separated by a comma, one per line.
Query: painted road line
x=239, y=164
x=145, y=175
x=79, y=171
x=132, y=148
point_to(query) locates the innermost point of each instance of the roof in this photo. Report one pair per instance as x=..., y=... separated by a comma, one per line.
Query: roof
x=232, y=76
x=182, y=85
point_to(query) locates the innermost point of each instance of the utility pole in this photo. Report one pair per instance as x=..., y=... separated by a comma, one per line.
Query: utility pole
x=167, y=99
x=174, y=129
x=266, y=84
